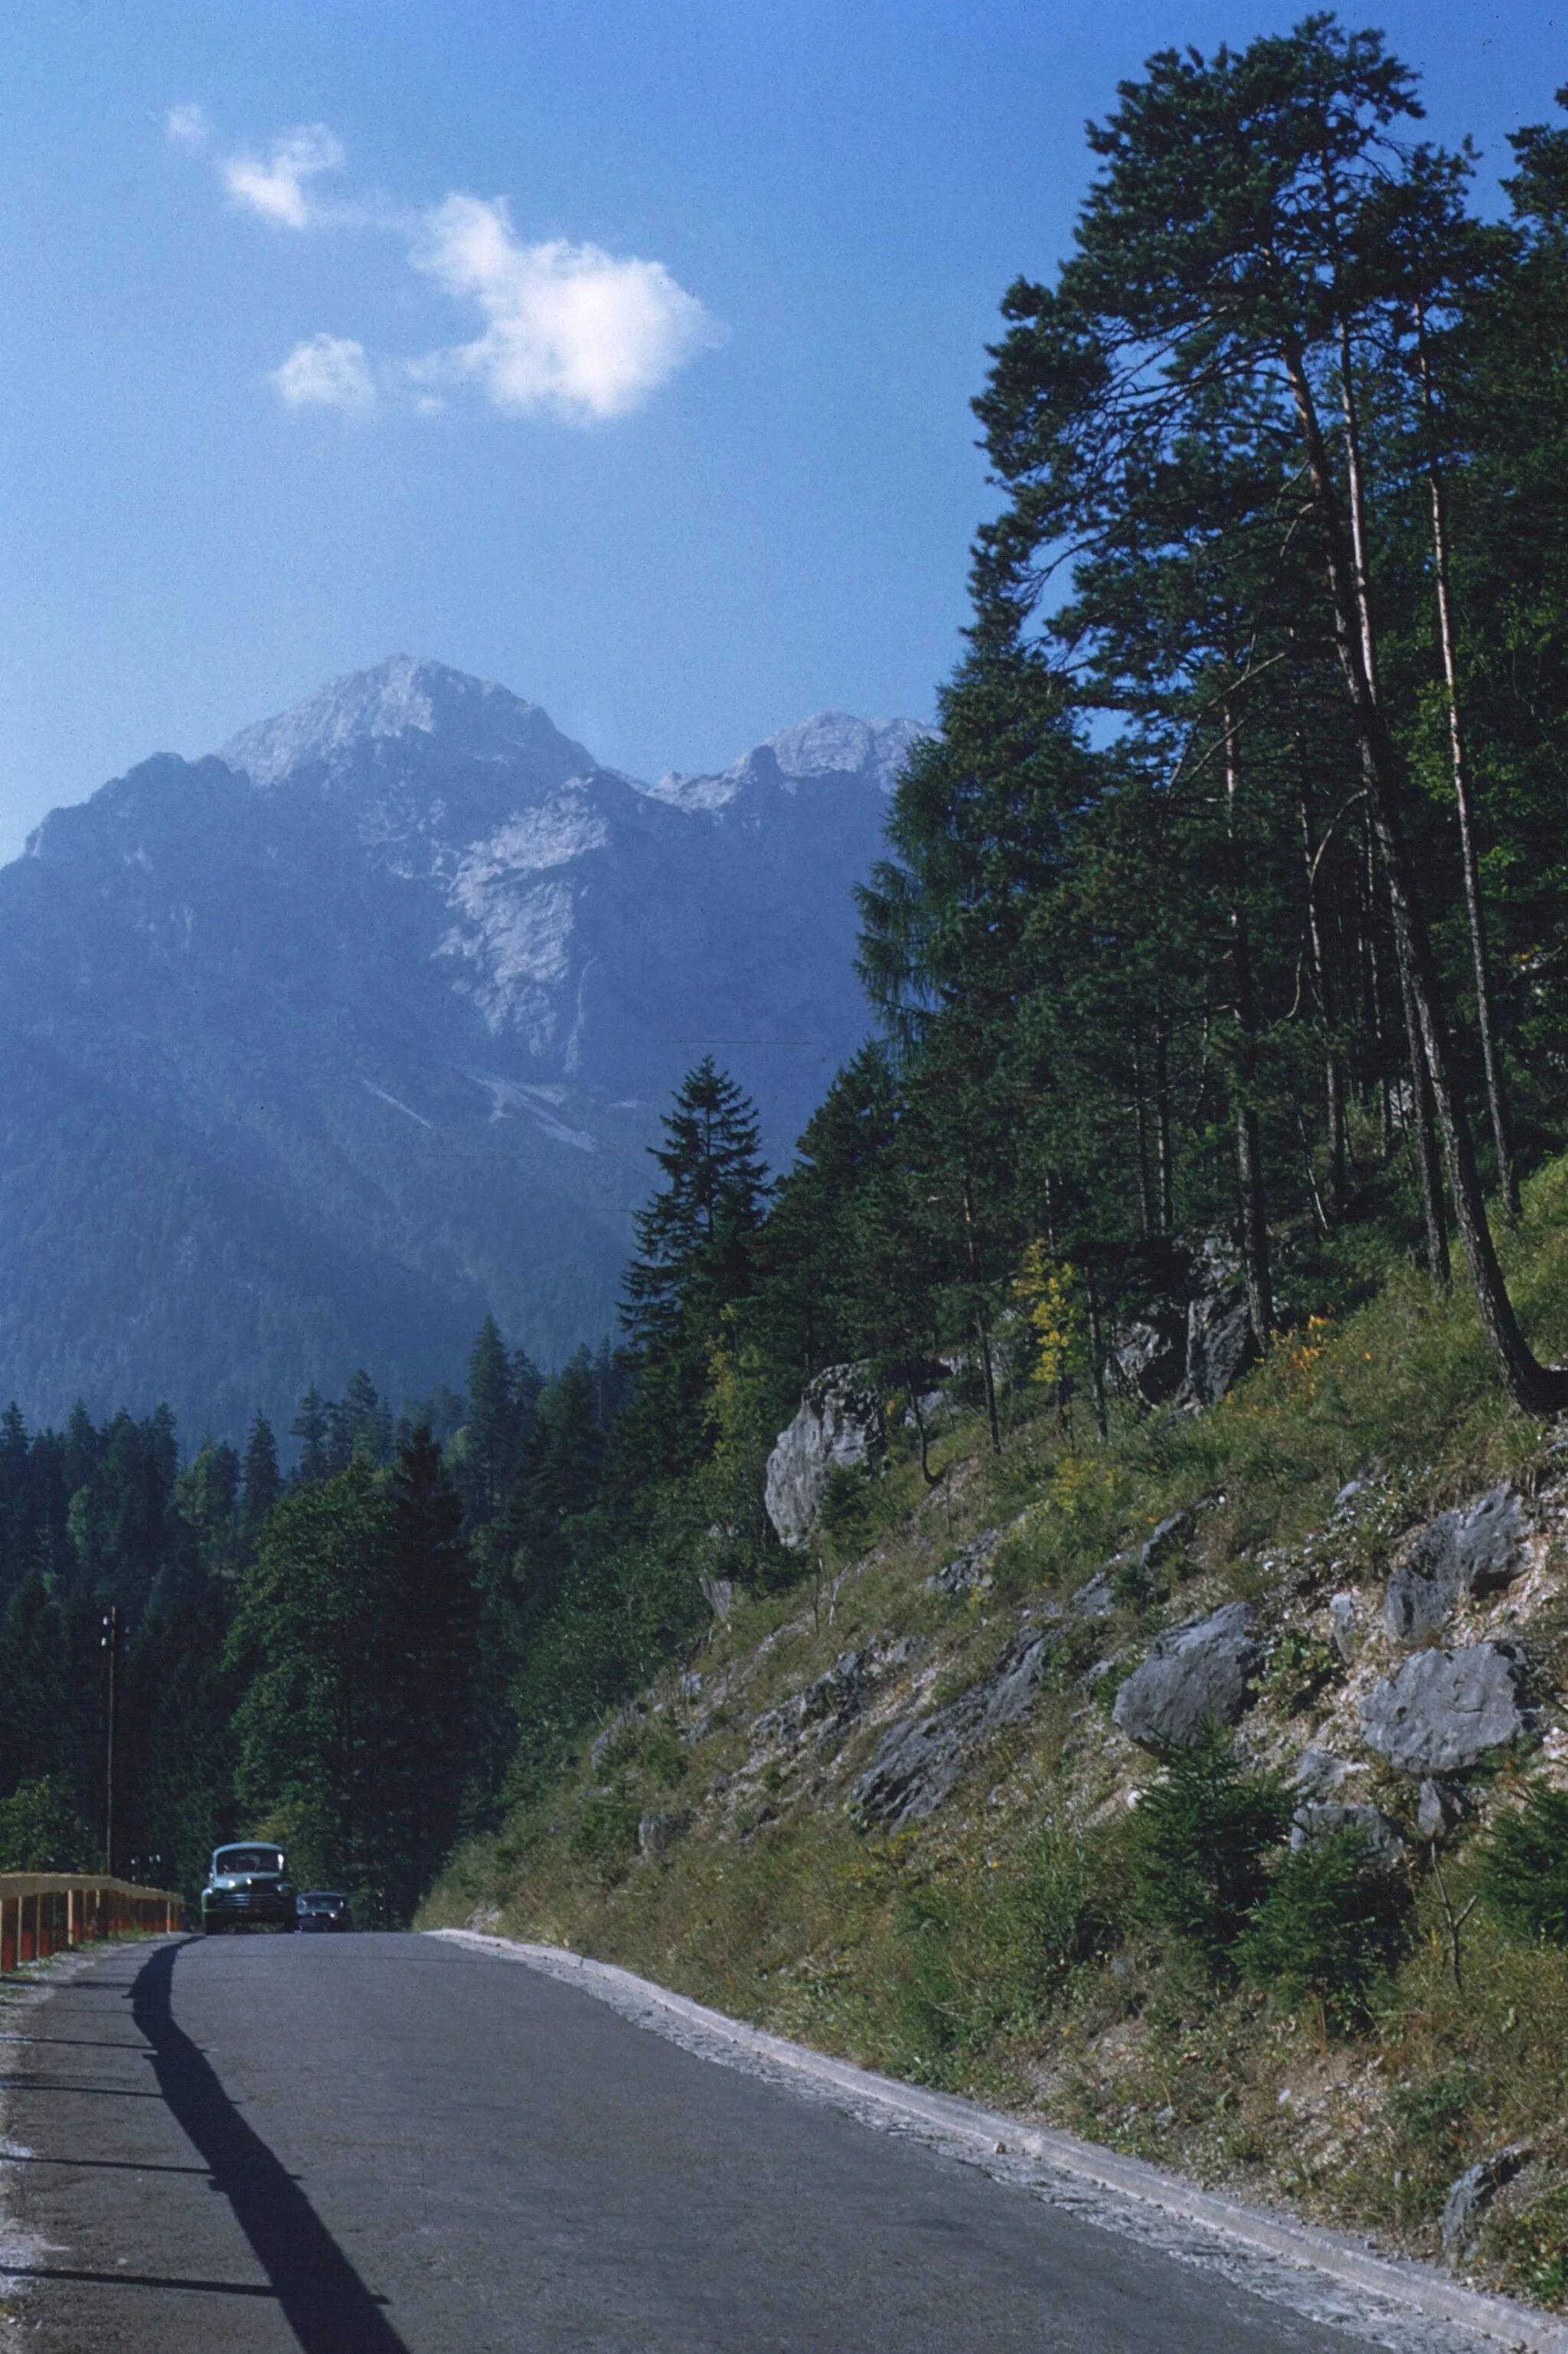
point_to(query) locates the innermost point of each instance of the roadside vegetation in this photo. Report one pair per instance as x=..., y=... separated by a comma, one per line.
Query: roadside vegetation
x=1166, y=1975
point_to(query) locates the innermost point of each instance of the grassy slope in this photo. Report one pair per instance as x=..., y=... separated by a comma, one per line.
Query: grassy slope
x=994, y=1948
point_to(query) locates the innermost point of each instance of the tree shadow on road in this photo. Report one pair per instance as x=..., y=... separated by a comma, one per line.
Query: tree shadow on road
x=326, y=2304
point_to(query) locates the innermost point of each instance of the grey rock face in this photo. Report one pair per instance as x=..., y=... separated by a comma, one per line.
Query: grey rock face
x=1166, y=1541
x=1343, y=1616
x=1445, y=1710
x=1220, y=1347
x=1190, y=1337
x=1439, y=1806
x=840, y=1422
x=657, y=1834
x=919, y=1759
x=1321, y=1817
x=623, y=1721
x=969, y=1567
x=1151, y=1360
x=1319, y=1774
x=831, y=1703
x=1469, y=2198
x=829, y=1706
x=1458, y=1555
x=718, y=1593
x=1196, y=1675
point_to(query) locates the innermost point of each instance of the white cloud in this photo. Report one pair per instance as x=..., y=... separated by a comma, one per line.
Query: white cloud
x=187, y=127
x=326, y=372
x=570, y=328
x=275, y=188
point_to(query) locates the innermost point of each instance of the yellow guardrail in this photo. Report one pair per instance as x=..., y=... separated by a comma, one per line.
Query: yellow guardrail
x=47, y=1912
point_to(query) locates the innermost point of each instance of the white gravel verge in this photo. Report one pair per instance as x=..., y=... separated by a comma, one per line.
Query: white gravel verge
x=1325, y=2276
x=22, y=2252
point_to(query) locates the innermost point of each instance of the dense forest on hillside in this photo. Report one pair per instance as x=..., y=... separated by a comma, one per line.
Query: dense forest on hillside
x=1227, y=910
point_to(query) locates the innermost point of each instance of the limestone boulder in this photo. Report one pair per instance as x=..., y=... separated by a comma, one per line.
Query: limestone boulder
x=657, y=1834
x=1446, y=1709
x=1152, y=1357
x=1465, y=2208
x=920, y=1758
x=839, y=1423
x=1457, y=1556
x=1196, y=1675
x=970, y=1568
x=1316, y=1823
x=1219, y=1346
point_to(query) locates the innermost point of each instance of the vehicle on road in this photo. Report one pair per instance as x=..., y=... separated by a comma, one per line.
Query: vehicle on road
x=249, y=1885
x=322, y=1908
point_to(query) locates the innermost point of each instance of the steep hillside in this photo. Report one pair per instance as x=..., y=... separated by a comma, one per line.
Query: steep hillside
x=895, y=1805
x=313, y=1052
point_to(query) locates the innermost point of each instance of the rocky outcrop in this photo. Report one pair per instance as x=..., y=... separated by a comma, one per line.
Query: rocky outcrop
x=1441, y=1804
x=1344, y=1630
x=657, y=1834
x=1317, y=1822
x=1196, y=1675
x=970, y=1568
x=1469, y=2198
x=919, y=1759
x=1458, y=1555
x=718, y=1593
x=829, y=1706
x=1149, y=1361
x=1445, y=1710
x=1190, y=1338
x=1319, y=1774
x=1220, y=1347
x=839, y=1423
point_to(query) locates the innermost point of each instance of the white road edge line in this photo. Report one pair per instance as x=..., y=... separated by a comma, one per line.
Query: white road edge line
x=1420, y=2288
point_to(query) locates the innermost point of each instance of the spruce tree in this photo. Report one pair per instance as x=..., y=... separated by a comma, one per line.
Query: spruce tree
x=696, y=1240
x=310, y=1427
x=490, y=1430
x=426, y=1634
x=261, y=1483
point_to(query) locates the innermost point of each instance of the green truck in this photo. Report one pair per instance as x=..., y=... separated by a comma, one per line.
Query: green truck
x=247, y=1885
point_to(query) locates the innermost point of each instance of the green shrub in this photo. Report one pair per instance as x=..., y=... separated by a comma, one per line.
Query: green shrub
x=1300, y=1667
x=1435, y=2123
x=605, y=1835
x=977, y=1963
x=1524, y=1868
x=927, y=2012
x=1329, y=1927
x=1534, y=2245
x=1065, y=1908
x=1201, y=1836
x=848, y=1510
x=40, y=1830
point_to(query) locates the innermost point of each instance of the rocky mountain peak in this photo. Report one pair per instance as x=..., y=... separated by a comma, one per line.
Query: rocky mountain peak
x=390, y=708
x=830, y=743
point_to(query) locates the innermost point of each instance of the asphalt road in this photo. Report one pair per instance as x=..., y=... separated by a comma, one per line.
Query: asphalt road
x=399, y=2146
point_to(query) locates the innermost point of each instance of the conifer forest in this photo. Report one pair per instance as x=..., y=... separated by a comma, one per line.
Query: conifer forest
x=1229, y=899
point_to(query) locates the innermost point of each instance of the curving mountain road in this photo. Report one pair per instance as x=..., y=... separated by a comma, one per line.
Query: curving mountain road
x=392, y=2144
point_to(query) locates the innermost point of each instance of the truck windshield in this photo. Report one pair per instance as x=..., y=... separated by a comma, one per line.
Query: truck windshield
x=247, y=1859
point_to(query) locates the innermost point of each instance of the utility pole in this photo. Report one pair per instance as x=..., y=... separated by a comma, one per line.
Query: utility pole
x=111, y=1643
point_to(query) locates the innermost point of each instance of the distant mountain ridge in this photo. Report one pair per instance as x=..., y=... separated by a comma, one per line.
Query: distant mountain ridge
x=313, y=1050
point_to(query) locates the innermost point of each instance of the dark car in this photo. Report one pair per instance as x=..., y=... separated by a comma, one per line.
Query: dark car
x=322, y=1908
x=249, y=1885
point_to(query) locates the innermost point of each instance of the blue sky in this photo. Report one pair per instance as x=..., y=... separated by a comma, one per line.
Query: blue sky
x=617, y=349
